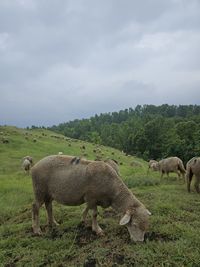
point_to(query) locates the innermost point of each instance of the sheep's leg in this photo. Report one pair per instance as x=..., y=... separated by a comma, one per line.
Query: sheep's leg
x=183, y=175
x=35, y=218
x=178, y=173
x=51, y=220
x=84, y=214
x=188, y=179
x=95, y=226
x=196, y=184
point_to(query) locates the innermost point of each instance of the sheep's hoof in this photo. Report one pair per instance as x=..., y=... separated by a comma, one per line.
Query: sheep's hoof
x=37, y=232
x=101, y=233
x=55, y=223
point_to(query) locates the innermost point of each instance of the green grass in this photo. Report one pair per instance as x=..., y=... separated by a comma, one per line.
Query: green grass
x=172, y=240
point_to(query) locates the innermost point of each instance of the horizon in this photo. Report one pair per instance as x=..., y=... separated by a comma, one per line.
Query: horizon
x=88, y=118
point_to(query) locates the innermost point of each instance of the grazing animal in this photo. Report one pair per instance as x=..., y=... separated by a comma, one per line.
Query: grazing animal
x=60, y=153
x=172, y=164
x=26, y=165
x=193, y=168
x=153, y=165
x=30, y=159
x=71, y=181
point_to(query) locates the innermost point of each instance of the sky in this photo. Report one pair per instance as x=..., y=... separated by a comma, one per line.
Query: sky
x=62, y=60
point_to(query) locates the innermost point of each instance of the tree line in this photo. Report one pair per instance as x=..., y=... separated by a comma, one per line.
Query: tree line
x=148, y=131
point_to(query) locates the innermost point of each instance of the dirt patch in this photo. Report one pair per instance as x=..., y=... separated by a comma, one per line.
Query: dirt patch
x=90, y=262
x=153, y=236
x=84, y=235
x=118, y=258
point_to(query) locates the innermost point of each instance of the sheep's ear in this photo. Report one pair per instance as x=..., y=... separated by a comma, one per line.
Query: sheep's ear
x=124, y=220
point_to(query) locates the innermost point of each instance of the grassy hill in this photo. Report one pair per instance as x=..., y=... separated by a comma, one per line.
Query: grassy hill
x=173, y=238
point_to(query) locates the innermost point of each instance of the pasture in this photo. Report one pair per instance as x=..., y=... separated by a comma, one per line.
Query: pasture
x=173, y=238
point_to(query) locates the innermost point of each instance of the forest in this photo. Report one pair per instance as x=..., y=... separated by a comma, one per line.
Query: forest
x=148, y=131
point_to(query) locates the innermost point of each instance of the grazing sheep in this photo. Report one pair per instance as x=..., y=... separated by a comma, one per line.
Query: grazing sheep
x=153, y=165
x=60, y=153
x=193, y=168
x=71, y=181
x=30, y=159
x=172, y=164
x=26, y=165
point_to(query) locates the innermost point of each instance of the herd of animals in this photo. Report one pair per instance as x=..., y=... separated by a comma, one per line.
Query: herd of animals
x=73, y=181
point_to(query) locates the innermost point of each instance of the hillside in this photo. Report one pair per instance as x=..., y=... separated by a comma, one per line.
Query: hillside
x=172, y=240
x=149, y=132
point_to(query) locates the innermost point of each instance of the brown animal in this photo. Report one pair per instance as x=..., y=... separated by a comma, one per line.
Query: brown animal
x=27, y=164
x=153, y=165
x=71, y=181
x=172, y=164
x=193, y=168
x=30, y=159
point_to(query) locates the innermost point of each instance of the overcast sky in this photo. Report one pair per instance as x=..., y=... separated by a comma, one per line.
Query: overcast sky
x=70, y=59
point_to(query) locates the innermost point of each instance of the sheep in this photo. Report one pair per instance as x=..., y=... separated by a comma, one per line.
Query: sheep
x=171, y=164
x=193, y=168
x=26, y=165
x=72, y=181
x=29, y=158
x=60, y=153
x=153, y=165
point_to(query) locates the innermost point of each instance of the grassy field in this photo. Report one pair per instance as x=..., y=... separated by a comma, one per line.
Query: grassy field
x=173, y=238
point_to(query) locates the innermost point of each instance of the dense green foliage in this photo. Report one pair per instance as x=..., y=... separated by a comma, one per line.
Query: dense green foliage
x=172, y=239
x=150, y=132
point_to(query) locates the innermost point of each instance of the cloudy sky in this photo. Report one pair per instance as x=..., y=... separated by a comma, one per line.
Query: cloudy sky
x=67, y=59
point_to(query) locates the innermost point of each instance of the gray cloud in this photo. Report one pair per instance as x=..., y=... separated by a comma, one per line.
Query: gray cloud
x=65, y=59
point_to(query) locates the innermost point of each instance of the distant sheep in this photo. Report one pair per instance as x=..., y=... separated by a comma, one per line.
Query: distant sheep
x=193, y=168
x=153, y=165
x=26, y=165
x=30, y=159
x=171, y=164
x=60, y=153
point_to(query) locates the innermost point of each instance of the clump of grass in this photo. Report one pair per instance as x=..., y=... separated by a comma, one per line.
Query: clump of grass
x=132, y=182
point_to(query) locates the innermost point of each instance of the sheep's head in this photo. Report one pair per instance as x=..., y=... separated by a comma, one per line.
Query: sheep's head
x=137, y=222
